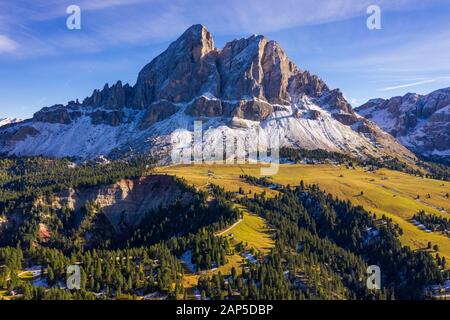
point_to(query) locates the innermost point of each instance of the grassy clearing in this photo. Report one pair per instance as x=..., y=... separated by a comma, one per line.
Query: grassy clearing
x=387, y=192
x=26, y=275
x=3, y=294
x=252, y=231
x=224, y=176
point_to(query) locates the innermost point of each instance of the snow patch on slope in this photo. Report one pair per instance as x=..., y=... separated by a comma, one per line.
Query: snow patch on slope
x=82, y=139
x=6, y=121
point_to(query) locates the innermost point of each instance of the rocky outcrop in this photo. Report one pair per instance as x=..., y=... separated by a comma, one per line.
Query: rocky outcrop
x=254, y=110
x=23, y=132
x=205, y=107
x=420, y=122
x=127, y=201
x=303, y=83
x=157, y=112
x=112, y=118
x=182, y=72
x=215, y=83
x=337, y=105
x=255, y=67
x=248, y=85
x=334, y=100
x=346, y=118
x=117, y=96
x=56, y=114
x=313, y=115
x=192, y=66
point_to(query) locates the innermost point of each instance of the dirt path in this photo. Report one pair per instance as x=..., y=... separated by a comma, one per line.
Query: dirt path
x=229, y=229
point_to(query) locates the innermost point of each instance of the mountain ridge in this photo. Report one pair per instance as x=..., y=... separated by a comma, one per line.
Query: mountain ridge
x=248, y=86
x=420, y=122
x=8, y=121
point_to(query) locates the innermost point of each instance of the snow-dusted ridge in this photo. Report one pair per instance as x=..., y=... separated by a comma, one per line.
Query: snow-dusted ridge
x=419, y=122
x=294, y=124
x=6, y=121
x=249, y=88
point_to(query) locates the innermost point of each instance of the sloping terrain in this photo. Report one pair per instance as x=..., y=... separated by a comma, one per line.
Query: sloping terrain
x=247, y=89
x=420, y=122
x=385, y=192
x=128, y=200
x=7, y=121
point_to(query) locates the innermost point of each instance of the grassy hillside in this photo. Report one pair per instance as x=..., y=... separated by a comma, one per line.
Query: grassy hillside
x=387, y=192
x=252, y=231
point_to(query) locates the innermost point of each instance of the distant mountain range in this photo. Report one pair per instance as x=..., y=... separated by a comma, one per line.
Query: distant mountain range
x=249, y=87
x=419, y=122
x=6, y=121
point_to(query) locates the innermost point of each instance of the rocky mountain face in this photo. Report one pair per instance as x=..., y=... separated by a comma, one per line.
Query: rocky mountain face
x=247, y=88
x=420, y=122
x=124, y=203
x=127, y=201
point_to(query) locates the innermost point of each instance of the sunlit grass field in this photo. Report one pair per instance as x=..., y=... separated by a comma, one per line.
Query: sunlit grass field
x=387, y=192
x=252, y=231
x=3, y=294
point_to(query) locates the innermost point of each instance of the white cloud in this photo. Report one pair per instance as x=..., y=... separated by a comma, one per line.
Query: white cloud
x=437, y=80
x=7, y=44
x=407, y=85
x=121, y=22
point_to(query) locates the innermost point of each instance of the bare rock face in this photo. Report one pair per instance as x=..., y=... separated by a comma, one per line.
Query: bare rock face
x=23, y=133
x=127, y=201
x=240, y=80
x=192, y=66
x=336, y=102
x=433, y=102
x=113, y=97
x=255, y=67
x=307, y=84
x=420, y=122
x=238, y=123
x=243, y=69
x=249, y=79
x=10, y=135
x=112, y=118
x=55, y=114
x=346, y=118
x=253, y=110
x=313, y=114
x=204, y=107
x=337, y=105
x=158, y=111
x=182, y=72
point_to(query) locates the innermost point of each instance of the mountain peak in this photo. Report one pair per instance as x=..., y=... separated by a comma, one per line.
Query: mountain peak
x=196, y=30
x=250, y=82
x=196, y=40
x=408, y=117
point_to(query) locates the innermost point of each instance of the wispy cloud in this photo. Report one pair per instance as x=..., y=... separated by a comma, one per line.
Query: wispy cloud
x=441, y=80
x=407, y=85
x=108, y=23
x=7, y=44
x=118, y=37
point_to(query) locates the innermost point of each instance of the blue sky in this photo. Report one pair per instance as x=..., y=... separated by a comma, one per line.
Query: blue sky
x=43, y=63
